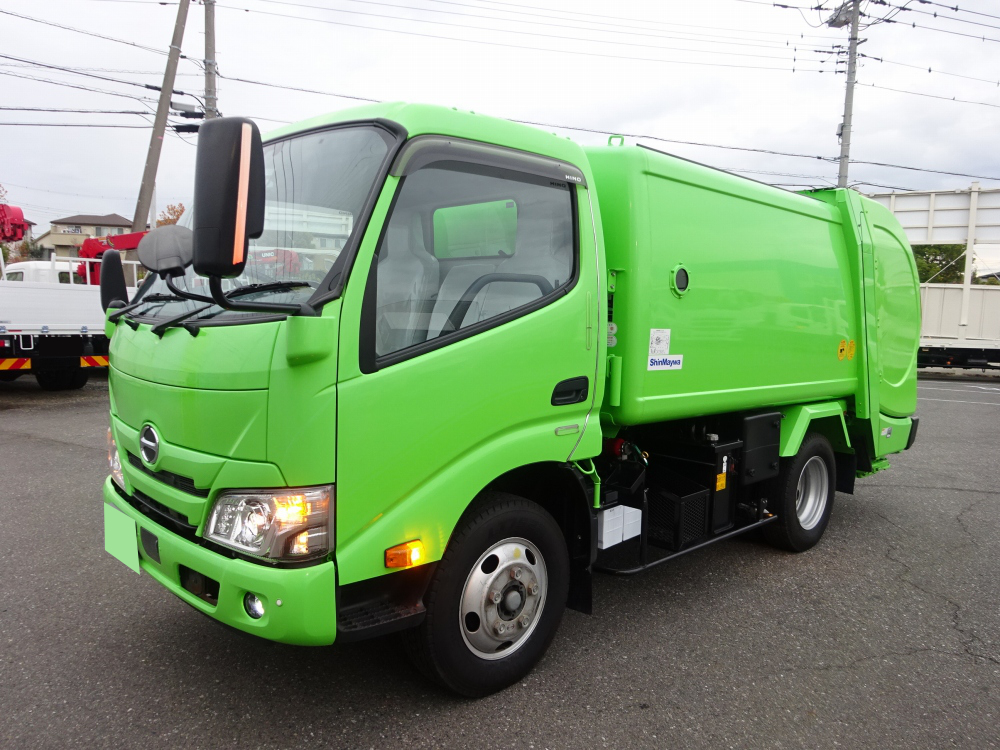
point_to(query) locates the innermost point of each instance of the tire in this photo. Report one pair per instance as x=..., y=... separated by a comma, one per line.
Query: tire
x=461, y=642
x=61, y=380
x=78, y=379
x=802, y=496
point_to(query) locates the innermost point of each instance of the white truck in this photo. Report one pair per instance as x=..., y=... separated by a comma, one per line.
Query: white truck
x=51, y=322
x=961, y=322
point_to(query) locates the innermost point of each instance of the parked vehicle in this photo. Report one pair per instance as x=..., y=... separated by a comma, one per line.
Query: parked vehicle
x=51, y=323
x=947, y=341
x=505, y=361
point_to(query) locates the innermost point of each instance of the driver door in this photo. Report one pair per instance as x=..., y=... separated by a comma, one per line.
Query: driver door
x=476, y=351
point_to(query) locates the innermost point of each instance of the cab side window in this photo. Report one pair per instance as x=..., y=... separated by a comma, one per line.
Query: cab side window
x=467, y=244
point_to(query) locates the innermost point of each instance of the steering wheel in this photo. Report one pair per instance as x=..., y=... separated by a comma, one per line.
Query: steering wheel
x=461, y=309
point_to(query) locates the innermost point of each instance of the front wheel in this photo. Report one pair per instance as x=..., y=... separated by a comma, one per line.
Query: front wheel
x=496, y=599
x=802, y=496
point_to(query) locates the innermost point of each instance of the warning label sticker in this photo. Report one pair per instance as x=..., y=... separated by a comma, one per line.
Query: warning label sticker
x=659, y=342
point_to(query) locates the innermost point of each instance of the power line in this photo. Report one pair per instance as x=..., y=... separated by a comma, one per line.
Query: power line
x=69, y=125
x=603, y=18
x=935, y=14
x=957, y=9
x=62, y=69
x=928, y=69
x=604, y=26
x=548, y=36
x=832, y=159
x=60, y=192
x=75, y=111
x=65, y=84
x=940, y=30
x=82, y=31
x=527, y=47
x=931, y=96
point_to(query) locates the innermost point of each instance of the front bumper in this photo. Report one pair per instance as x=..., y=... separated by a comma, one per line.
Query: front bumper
x=308, y=612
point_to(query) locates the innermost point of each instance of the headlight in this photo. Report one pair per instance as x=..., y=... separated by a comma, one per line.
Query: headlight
x=114, y=462
x=292, y=524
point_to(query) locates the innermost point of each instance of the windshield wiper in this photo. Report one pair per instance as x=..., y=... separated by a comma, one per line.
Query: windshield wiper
x=271, y=287
x=160, y=328
x=149, y=298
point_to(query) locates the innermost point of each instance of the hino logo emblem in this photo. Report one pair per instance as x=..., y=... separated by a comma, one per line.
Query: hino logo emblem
x=149, y=444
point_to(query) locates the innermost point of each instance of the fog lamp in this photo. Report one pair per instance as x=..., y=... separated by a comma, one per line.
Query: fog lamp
x=253, y=606
x=114, y=462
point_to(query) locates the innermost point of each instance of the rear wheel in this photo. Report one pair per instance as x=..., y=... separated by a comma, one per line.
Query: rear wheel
x=61, y=380
x=496, y=599
x=802, y=496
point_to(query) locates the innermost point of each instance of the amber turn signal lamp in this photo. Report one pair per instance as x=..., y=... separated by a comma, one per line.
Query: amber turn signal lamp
x=405, y=555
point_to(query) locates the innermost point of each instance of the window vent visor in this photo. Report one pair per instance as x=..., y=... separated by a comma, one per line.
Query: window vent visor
x=429, y=149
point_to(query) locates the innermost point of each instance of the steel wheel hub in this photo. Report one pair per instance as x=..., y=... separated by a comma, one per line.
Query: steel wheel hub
x=812, y=492
x=503, y=598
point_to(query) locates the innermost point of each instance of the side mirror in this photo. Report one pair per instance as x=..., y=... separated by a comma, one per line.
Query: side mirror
x=167, y=250
x=113, y=287
x=228, y=195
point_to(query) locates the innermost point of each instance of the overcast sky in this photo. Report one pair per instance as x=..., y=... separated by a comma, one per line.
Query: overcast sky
x=715, y=71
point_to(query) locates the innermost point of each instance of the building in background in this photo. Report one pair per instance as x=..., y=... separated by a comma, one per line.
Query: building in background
x=66, y=235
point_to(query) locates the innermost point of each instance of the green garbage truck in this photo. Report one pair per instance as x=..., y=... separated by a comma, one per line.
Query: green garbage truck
x=422, y=370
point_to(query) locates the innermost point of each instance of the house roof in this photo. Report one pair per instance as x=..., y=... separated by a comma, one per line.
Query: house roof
x=109, y=220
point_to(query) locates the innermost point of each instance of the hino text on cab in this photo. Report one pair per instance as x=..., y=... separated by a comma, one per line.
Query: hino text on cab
x=414, y=369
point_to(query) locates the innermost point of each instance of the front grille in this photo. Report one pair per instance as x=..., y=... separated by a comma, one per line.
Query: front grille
x=178, y=482
x=161, y=514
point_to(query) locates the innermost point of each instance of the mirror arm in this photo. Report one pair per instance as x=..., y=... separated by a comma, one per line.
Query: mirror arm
x=184, y=293
x=219, y=297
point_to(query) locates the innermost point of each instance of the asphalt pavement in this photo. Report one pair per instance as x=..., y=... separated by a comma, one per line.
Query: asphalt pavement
x=883, y=636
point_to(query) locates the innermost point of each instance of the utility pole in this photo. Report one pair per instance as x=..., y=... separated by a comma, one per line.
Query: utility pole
x=837, y=20
x=160, y=121
x=211, y=68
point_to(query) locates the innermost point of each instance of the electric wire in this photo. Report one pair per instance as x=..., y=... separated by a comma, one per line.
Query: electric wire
x=832, y=159
x=957, y=9
x=928, y=69
x=83, y=31
x=66, y=84
x=935, y=14
x=96, y=76
x=726, y=40
x=71, y=125
x=75, y=111
x=523, y=10
x=929, y=96
x=510, y=45
x=549, y=36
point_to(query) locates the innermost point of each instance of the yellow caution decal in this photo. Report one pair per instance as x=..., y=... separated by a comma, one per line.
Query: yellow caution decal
x=93, y=361
x=15, y=364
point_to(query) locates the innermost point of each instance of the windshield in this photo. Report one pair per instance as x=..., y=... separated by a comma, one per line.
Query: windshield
x=315, y=188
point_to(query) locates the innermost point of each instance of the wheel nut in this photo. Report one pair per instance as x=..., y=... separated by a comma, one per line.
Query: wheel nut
x=496, y=597
x=501, y=628
x=515, y=573
x=524, y=620
x=533, y=589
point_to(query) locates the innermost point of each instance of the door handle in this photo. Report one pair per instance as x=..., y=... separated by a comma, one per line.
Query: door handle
x=571, y=391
